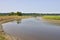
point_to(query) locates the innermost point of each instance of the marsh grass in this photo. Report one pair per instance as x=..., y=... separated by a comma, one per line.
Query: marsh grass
x=52, y=17
x=2, y=37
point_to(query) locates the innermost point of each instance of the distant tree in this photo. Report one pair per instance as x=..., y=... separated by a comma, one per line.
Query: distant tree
x=11, y=13
x=19, y=13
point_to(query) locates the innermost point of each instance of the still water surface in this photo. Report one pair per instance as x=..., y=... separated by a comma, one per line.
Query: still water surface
x=33, y=29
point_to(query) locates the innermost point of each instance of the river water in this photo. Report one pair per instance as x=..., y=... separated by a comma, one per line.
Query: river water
x=32, y=29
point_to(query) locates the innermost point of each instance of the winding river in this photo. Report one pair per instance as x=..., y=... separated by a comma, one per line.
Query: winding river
x=32, y=29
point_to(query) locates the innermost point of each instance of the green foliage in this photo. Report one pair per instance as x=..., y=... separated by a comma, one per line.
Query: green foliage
x=29, y=14
x=19, y=13
x=12, y=13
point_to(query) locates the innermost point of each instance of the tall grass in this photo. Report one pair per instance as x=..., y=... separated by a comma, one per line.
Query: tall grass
x=52, y=17
x=2, y=37
x=4, y=19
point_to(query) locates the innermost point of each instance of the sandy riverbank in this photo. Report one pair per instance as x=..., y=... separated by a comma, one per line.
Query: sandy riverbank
x=52, y=21
x=4, y=19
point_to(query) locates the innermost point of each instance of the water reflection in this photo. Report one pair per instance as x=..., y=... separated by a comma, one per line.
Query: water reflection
x=33, y=29
x=1, y=30
x=18, y=21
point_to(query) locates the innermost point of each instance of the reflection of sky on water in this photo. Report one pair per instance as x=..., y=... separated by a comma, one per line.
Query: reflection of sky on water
x=33, y=29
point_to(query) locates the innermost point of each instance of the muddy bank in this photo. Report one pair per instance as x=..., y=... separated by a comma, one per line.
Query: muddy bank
x=4, y=19
x=52, y=21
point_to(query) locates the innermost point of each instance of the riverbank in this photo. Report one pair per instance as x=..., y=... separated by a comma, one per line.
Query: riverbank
x=4, y=19
x=52, y=19
x=5, y=36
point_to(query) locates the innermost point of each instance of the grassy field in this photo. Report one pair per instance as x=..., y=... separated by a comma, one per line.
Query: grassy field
x=51, y=17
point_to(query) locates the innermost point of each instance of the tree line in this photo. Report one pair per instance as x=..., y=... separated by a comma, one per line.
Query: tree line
x=27, y=14
x=17, y=13
x=11, y=14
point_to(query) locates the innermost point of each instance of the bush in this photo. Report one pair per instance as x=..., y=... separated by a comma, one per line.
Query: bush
x=19, y=13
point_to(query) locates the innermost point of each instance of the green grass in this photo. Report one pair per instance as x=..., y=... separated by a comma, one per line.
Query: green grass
x=52, y=17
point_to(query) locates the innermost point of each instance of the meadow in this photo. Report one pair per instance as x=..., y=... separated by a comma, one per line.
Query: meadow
x=51, y=17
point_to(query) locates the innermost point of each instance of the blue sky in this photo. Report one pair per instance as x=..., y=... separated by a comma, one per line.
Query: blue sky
x=30, y=6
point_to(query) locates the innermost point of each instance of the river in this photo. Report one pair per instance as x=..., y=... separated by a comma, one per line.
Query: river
x=32, y=29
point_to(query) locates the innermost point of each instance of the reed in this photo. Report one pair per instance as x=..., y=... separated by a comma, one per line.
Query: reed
x=2, y=37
